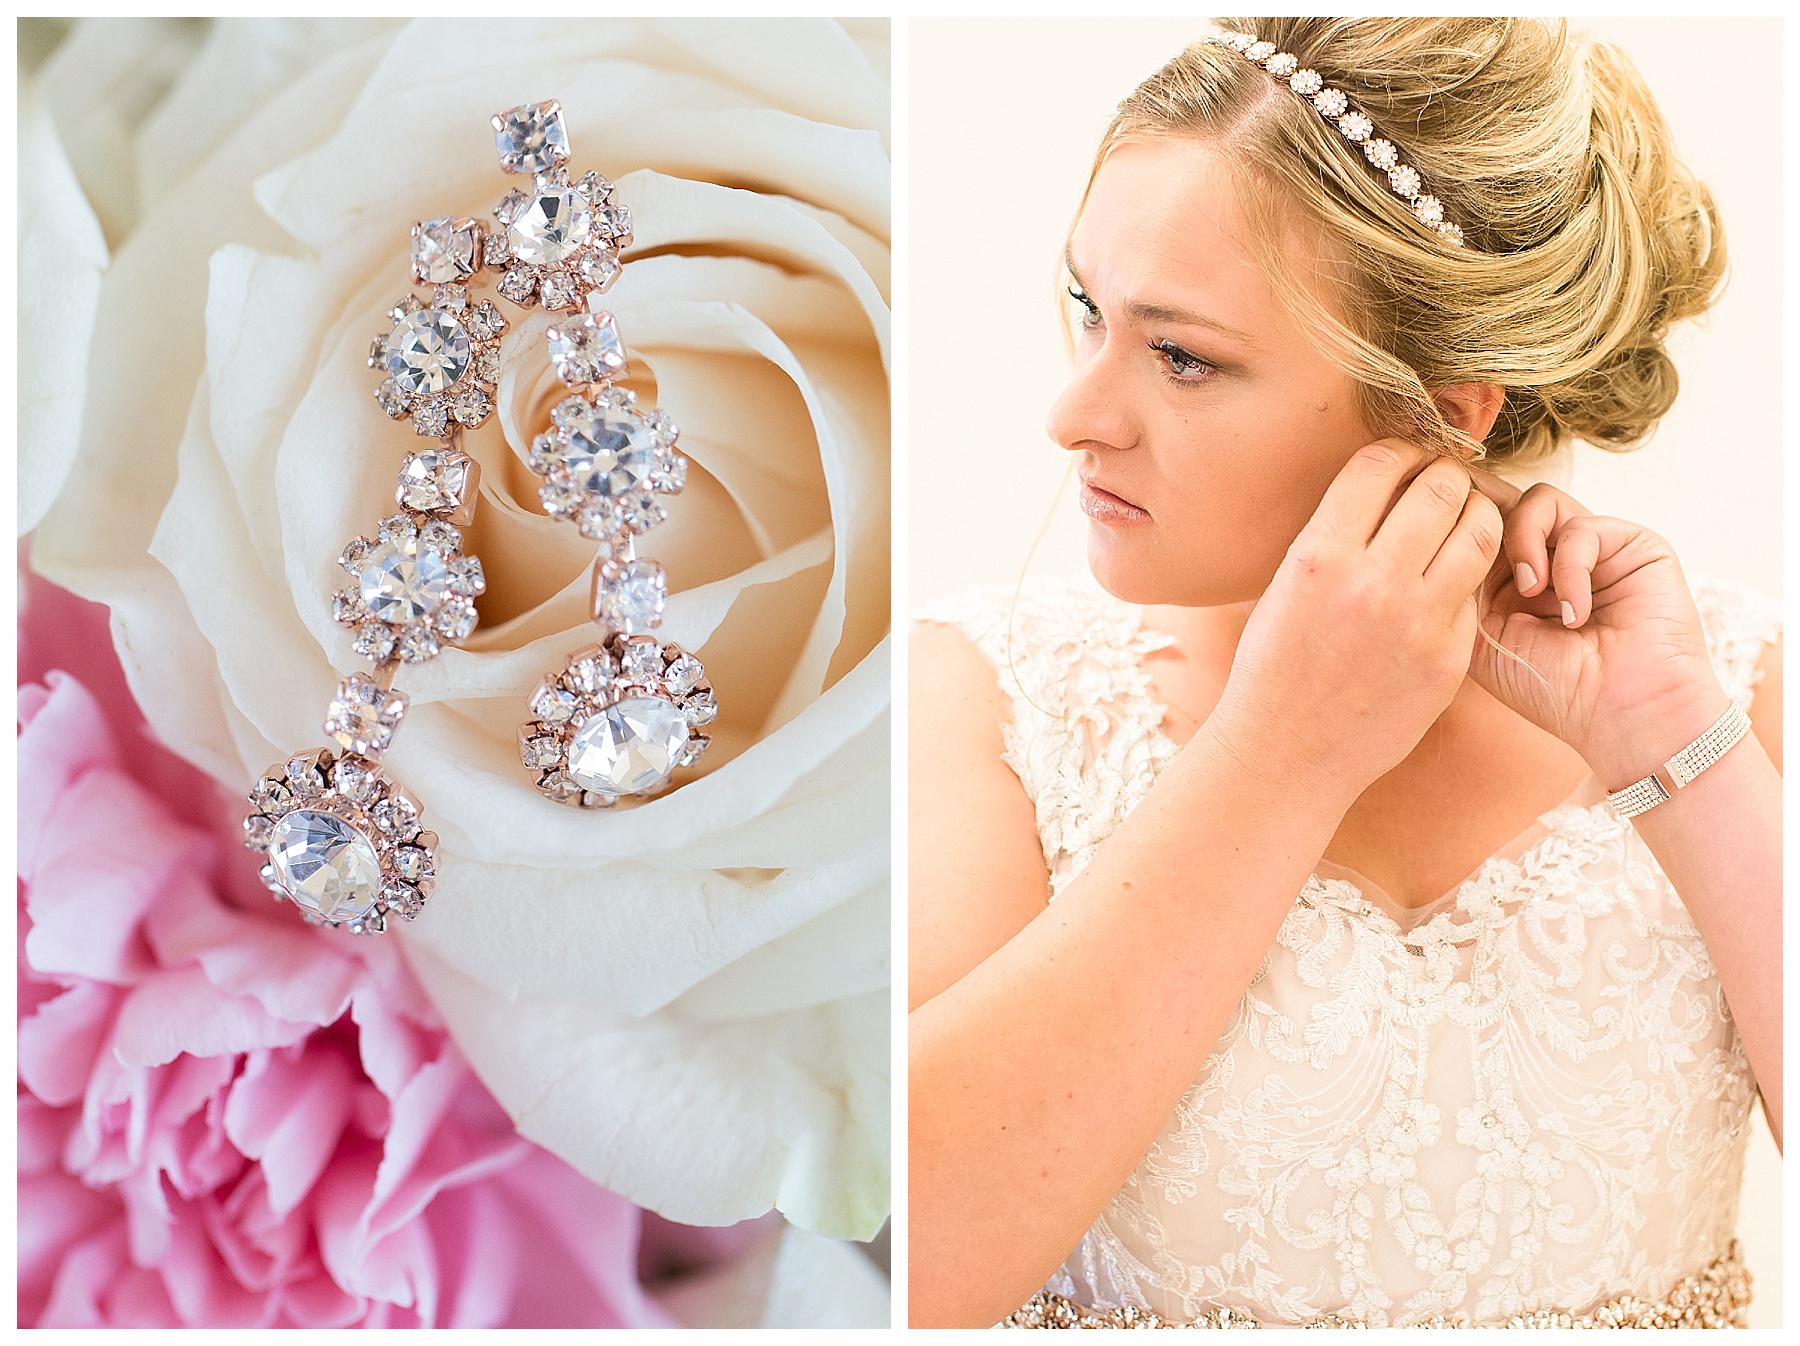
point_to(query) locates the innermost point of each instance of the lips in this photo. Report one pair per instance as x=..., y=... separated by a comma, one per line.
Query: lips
x=1104, y=506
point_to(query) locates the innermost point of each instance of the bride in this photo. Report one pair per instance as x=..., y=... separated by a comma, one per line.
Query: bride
x=1307, y=929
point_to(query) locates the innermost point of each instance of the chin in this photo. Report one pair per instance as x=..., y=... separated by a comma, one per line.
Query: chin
x=1139, y=574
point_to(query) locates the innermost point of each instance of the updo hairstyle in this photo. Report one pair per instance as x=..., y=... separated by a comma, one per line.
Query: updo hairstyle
x=1586, y=238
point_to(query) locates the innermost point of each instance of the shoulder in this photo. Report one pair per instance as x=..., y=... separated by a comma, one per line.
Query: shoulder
x=1743, y=635
x=999, y=620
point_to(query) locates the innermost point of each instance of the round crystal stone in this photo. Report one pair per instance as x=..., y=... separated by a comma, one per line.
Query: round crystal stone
x=631, y=746
x=552, y=228
x=426, y=352
x=404, y=580
x=608, y=451
x=325, y=865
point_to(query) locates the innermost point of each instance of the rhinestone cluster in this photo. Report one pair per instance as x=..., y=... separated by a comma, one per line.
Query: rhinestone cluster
x=343, y=841
x=441, y=360
x=619, y=720
x=1717, y=1296
x=622, y=716
x=604, y=464
x=414, y=590
x=559, y=242
x=1334, y=106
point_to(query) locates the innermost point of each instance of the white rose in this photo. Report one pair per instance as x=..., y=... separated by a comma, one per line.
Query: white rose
x=684, y=1000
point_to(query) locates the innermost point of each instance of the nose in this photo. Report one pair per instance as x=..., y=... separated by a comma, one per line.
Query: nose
x=1091, y=412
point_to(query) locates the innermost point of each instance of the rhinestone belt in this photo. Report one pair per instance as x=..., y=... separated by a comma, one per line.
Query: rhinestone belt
x=1716, y=1297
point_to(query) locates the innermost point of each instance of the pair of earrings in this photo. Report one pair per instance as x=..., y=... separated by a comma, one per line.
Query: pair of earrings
x=343, y=841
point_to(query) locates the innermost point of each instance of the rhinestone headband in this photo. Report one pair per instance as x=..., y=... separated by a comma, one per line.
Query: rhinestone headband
x=1334, y=106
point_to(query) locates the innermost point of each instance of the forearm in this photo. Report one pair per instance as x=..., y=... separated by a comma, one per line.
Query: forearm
x=1039, y=1080
x=1719, y=841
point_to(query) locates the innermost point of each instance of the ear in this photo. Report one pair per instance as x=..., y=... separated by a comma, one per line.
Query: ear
x=1470, y=407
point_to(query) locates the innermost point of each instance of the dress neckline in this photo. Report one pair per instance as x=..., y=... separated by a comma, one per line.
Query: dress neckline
x=1587, y=793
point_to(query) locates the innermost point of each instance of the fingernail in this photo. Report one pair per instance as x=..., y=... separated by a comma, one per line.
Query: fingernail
x=1524, y=576
x=1568, y=614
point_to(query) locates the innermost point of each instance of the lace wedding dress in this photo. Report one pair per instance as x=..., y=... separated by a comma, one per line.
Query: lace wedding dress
x=1525, y=1102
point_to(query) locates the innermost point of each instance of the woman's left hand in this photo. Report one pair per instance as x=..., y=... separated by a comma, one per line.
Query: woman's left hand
x=1600, y=608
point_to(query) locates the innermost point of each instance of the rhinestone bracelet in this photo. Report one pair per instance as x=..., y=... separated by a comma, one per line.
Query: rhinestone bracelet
x=1644, y=795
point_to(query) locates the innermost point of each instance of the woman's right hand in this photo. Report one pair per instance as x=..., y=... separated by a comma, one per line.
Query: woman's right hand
x=1363, y=636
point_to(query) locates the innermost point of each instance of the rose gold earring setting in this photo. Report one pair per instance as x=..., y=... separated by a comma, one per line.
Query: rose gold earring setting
x=625, y=713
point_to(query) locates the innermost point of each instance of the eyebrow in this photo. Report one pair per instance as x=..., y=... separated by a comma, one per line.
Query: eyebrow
x=1139, y=310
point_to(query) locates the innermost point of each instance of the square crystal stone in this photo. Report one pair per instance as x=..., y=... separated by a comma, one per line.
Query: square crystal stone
x=429, y=418
x=630, y=598
x=363, y=717
x=531, y=138
x=586, y=348
x=436, y=481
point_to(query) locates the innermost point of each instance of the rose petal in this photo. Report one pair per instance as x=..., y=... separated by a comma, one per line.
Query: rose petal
x=268, y=433
x=60, y=242
x=783, y=1110
x=820, y=1282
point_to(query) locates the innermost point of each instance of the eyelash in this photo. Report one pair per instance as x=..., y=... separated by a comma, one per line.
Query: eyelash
x=1179, y=366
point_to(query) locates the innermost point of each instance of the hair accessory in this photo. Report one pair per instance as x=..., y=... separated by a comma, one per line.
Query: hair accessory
x=1720, y=737
x=623, y=714
x=1334, y=106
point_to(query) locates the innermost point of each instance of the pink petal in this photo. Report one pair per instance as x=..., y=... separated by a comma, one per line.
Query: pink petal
x=289, y=968
x=288, y=1112
x=87, y=1269
x=56, y=1211
x=200, y=1286
x=260, y=1250
x=182, y=1011
x=63, y=735
x=106, y=853
x=426, y=1154
x=60, y=1043
x=398, y=1270
x=318, y=1301
x=115, y=1118
x=476, y=1232
x=43, y=1131
x=139, y=1299
x=589, y=1236
x=392, y=1048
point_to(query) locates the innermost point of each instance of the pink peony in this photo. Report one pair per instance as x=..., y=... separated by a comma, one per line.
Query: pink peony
x=228, y=1118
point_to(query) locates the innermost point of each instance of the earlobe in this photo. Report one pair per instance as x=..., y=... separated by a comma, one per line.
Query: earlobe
x=1471, y=407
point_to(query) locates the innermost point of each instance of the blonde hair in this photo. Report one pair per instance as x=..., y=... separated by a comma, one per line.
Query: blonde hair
x=1587, y=238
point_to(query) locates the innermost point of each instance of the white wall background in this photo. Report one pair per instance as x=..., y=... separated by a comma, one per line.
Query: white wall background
x=1004, y=116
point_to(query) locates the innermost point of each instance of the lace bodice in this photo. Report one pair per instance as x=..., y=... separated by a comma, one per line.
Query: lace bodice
x=1527, y=1095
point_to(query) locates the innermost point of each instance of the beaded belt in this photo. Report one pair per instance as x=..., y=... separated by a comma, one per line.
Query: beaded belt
x=1716, y=1297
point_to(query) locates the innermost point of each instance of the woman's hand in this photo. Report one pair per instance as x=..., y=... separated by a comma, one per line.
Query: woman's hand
x=1599, y=608
x=1361, y=639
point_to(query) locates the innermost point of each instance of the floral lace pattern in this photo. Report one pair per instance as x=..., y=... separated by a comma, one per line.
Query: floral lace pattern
x=1533, y=1100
